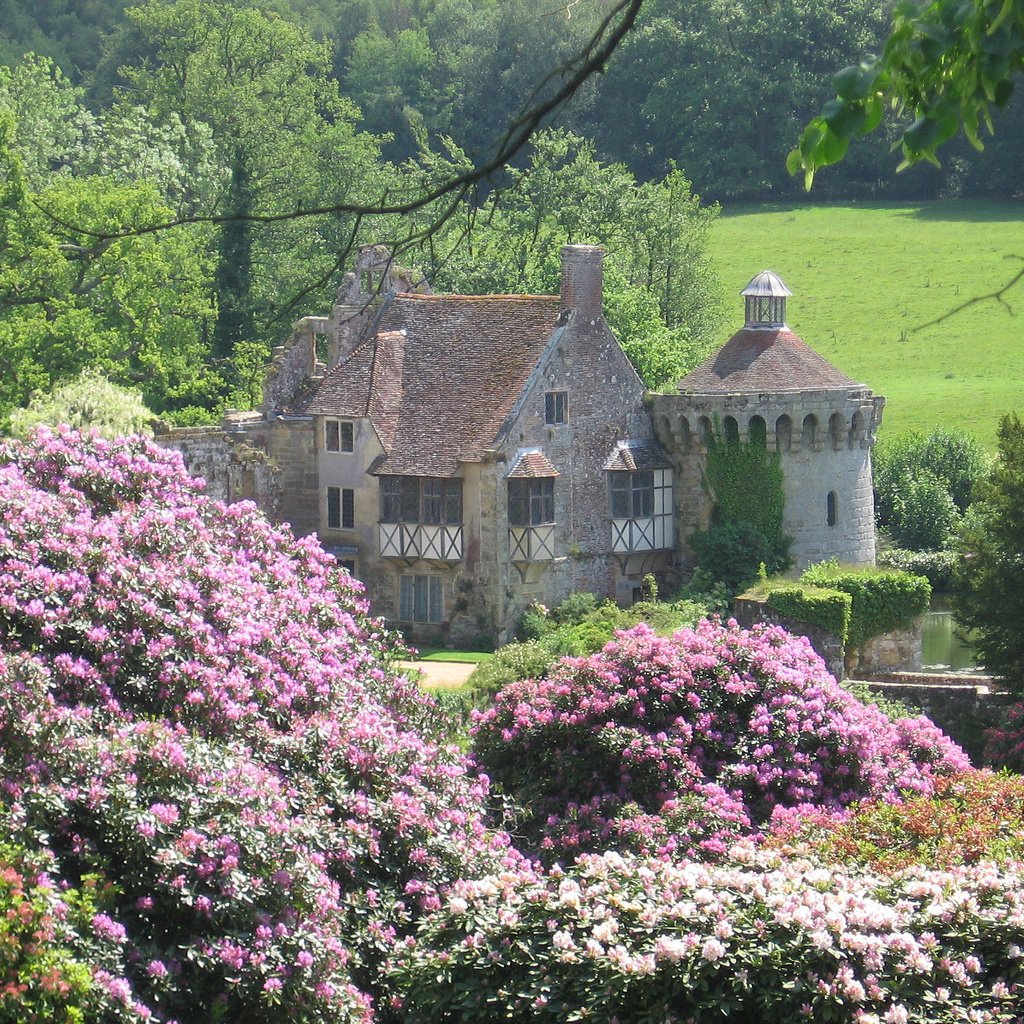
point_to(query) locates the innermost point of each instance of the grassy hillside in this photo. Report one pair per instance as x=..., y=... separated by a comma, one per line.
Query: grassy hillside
x=866, y=277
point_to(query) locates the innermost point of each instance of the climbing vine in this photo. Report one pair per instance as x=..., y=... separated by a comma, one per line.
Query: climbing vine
x=745, y=482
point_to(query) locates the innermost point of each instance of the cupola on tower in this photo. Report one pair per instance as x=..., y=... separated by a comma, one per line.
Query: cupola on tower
x=765, y=385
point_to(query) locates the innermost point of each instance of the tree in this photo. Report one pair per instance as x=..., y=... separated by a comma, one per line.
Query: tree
x=258, y=86
x=48, y=115
x=989, y=580
x=88, y=402
x=924, y=483
x=947, y=64
x=134, y=306
x=721, y=87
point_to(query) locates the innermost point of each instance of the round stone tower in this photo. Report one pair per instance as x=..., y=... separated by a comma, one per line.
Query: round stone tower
x=766, y=385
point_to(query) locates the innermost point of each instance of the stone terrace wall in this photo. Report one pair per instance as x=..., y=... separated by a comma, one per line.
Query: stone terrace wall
x=962, y=706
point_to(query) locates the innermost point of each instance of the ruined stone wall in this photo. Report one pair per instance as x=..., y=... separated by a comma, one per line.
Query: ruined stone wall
x=963, y=707
x=293, y=366
x=232, y=459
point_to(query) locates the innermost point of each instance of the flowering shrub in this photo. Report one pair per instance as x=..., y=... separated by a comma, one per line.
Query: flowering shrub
x=195, y=709
x=972, y=816
x=40, y=982
x=1004, y=743
x=759, y=938
x=683, y=743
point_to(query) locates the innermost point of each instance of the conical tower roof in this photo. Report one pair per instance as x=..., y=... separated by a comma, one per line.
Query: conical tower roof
x=764, y=356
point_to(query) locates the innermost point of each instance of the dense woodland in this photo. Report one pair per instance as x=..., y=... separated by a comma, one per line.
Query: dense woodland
x=112, y=118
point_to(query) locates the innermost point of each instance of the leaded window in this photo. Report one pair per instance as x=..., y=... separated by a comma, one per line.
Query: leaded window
x=420, y=599
x=531, y=502
x=632, y=494
x=420, y=499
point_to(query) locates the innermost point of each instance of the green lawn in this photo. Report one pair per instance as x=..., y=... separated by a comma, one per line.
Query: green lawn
x=459, y=657
x=866, y=277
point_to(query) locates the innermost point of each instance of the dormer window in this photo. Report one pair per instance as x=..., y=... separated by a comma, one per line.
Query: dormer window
x=556, y=407
x=339, y=435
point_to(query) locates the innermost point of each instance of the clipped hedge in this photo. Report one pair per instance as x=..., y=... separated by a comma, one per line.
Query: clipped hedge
x=819, y=606
x=883, y=600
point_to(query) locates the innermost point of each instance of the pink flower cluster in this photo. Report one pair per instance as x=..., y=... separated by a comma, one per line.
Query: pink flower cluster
x=195, y=708
x=684, y=743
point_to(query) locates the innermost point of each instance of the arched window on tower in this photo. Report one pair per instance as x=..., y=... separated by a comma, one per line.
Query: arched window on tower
x=856, y=429
x=810, y=433
x=757, y=431
x=685, y=437
x=836, y=430
x=783, y=433
x=732, y=430
x=832, y=508
x=704, y=428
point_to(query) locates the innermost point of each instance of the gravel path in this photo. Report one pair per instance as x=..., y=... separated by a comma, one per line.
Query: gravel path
x=440, y=673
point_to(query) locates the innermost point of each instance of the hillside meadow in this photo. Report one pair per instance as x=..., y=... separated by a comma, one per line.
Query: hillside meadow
x=868, y=278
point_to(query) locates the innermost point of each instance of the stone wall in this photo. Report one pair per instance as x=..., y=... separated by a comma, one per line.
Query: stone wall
x=232, y=459
x=898, y=651
x=832, y=455
x=961, y=706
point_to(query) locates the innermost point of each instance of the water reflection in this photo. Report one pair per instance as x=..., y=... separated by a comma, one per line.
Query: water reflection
x=942, y=649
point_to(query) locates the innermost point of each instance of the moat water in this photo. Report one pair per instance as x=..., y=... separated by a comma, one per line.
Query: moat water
x=942, y=649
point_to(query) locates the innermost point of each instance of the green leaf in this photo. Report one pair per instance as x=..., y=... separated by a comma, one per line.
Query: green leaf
x=854, y=82
x=921, y=135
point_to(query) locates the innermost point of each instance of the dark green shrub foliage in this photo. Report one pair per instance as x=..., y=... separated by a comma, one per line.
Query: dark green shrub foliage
x=820, y=606
x=883, y=600
x=924, y=515
x=733, y=551
x=909, y=469
x=575, y=608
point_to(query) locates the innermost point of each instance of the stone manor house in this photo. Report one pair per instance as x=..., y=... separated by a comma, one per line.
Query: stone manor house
x=466, y=455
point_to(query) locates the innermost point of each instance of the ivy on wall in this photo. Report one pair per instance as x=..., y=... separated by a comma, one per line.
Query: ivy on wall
x=745, y=482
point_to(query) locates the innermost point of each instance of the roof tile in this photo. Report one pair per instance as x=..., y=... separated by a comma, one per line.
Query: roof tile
x=760, y=360
x=440, y=376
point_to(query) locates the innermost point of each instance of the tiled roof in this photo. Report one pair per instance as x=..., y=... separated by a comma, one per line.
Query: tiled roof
x=631, y=455
x=440, y=376
x=532, y=464
x=759, y=360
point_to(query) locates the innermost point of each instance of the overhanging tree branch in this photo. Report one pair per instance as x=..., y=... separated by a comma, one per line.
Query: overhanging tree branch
x=590, y=60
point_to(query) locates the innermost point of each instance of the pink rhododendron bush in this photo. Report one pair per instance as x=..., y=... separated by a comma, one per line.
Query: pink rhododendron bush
x=681, y=744
x=222, y=807
x=758, y=940
x=197, y=715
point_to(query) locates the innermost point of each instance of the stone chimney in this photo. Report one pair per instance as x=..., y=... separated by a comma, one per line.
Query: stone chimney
x=582, y=280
